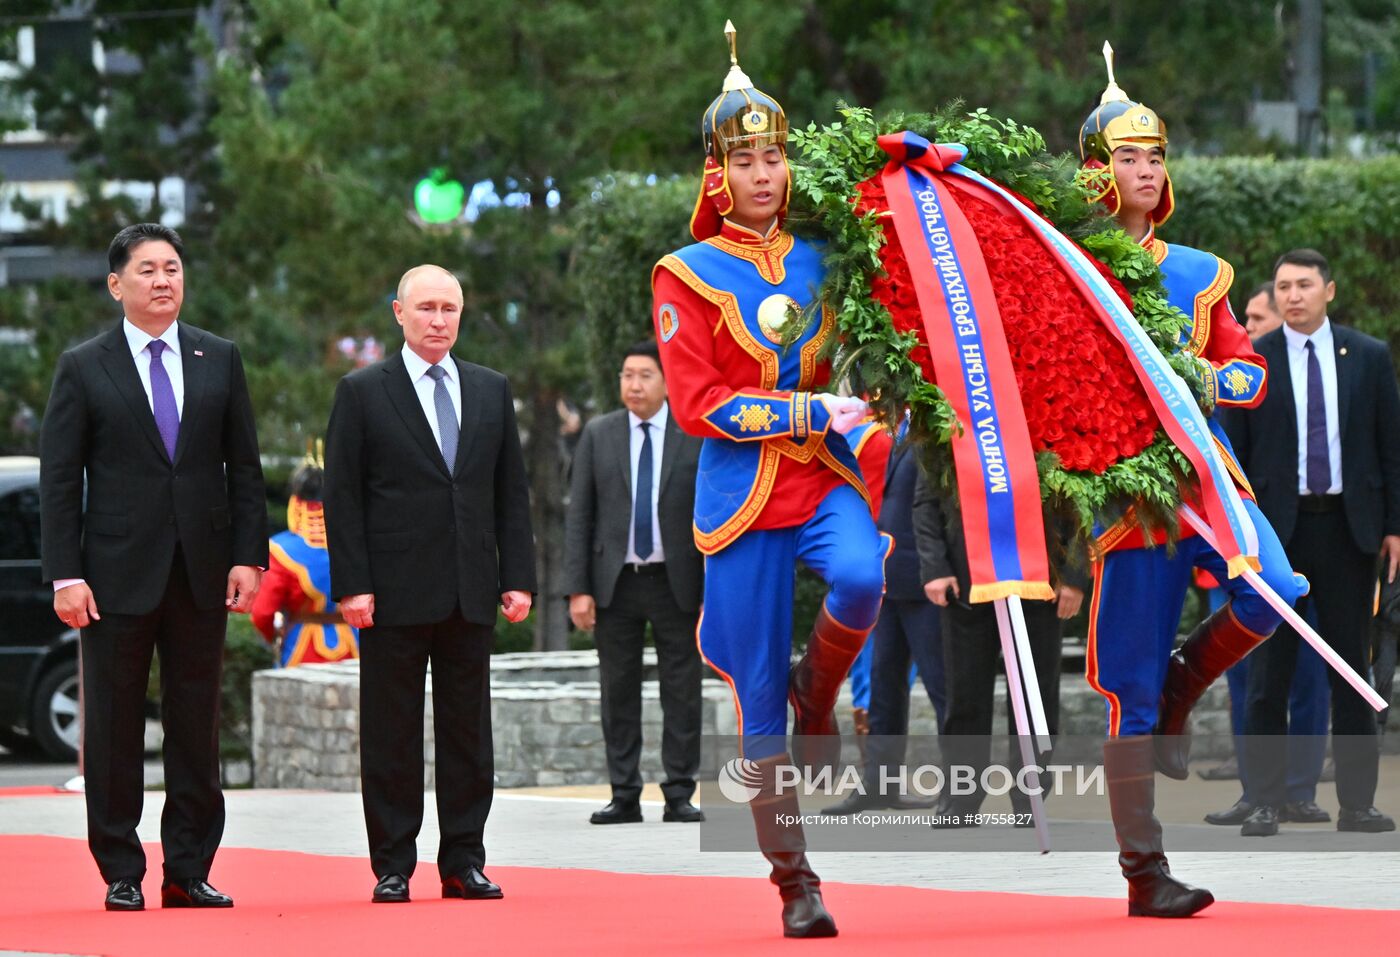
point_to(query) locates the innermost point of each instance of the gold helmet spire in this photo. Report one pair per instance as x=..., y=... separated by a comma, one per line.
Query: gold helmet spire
x=1113, y=92
x=737, y=78
x=1118, y=121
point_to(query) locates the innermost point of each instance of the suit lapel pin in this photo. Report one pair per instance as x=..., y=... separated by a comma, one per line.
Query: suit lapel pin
x=201, y=354
x=1342, y=351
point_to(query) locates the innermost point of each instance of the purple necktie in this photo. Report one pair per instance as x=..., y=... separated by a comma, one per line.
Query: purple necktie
x=1319, y=465
x=641, y=505
x=163, y=400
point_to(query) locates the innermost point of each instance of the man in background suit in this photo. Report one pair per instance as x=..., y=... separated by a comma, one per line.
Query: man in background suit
x=1321, y=454
x=428, y=522
x=173, y=537
x=629, y=559
x=1309, y=698
x=971, y=649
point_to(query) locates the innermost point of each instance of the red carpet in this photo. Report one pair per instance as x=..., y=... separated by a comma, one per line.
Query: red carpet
x=35, y=790
x=302, y=904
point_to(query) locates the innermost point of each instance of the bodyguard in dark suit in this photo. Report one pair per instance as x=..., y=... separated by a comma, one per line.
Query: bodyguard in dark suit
x=172, y=536
x=1321, y=454
x=428, y=525
x=971, y=648
x=629, y=559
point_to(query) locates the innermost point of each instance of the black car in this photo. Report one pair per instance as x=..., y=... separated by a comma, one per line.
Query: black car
x=38, y=653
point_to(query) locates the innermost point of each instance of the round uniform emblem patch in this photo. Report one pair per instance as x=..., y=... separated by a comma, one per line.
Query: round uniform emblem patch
x=773, y=315
x=755, y=122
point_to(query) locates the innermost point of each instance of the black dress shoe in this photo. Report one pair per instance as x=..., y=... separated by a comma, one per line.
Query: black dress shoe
x=391, y=889
x=618, y=812
x=472, y=886
x=1232, y=816
x=192, y=893
x=682, y=811
x=855, y=802
x=125, y=895
x=1262, y=822
x=1367, y=821
x=1303, y=812
x=852, y=803
x=949, y=814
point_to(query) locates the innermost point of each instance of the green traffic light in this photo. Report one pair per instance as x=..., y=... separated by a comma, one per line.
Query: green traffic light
x=439, y=199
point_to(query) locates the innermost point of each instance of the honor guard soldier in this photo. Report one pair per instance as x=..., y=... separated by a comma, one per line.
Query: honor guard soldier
x=298, y=581
x=777, y=480
x=1140, y=586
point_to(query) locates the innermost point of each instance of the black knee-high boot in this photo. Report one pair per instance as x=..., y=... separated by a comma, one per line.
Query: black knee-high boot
x=1129, y=767
x=780, y=838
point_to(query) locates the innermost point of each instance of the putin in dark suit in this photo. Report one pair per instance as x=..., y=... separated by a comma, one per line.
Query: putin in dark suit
x=155, y=415
x=1321, y=454
x=428, y=525
x=629, y=559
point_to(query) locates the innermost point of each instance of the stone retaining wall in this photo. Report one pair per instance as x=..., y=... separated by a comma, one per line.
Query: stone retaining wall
x=545, y=718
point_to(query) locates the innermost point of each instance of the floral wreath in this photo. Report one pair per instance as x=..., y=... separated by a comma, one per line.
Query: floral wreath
x=1099, y=449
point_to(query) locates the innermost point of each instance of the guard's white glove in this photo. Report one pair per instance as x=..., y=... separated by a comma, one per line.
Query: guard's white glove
x=846, y=411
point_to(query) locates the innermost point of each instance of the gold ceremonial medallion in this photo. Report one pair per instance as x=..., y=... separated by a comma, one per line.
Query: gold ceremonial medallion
x=773, y=315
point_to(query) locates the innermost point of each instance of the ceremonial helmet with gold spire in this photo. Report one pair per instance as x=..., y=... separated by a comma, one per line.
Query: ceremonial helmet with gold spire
x=741, y=117
x=306, y=514
x=1119, y=121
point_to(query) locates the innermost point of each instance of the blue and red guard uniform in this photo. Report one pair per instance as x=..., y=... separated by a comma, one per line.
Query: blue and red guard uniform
x=1139, y=591
x=298, y=584
x=776, y=485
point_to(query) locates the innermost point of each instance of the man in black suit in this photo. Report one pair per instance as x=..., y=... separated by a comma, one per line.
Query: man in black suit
x=1321, y=454
x=428, y=523
x=173, y=536
x=629, y=559
x=971, y=649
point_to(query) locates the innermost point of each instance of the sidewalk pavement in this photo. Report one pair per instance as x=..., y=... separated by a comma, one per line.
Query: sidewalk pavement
x=548, y=827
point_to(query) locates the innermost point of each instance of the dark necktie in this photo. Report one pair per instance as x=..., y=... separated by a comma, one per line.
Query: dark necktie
x=448, y=429
x=641, y=502
x=163, y=400
x=1319, y=466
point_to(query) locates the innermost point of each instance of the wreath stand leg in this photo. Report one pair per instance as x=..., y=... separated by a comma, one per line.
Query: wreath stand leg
x=1021, y=686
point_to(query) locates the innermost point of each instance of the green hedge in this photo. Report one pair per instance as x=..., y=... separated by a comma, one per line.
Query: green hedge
x=1249, y=210
x=621, y=232
x=1246, y=210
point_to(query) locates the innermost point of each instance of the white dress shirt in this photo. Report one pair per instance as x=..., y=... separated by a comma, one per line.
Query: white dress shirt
x=137, y=341
x=658, y=446
x=169, y=359
x=424, y=385
x=1322, y=341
